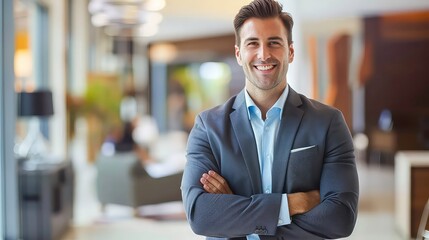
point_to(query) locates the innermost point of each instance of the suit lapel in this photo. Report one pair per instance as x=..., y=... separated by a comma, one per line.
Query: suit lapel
x=246, y=140
x=291, y=119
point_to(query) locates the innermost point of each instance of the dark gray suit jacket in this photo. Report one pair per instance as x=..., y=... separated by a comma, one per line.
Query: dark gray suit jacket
x=222, y=140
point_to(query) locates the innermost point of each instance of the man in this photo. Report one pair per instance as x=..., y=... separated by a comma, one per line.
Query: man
x=269, y=163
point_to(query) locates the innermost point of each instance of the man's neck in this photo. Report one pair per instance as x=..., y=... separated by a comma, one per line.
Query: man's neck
x=265, y=99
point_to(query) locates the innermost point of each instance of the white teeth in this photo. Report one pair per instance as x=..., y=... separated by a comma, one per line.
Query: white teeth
x=265, y=68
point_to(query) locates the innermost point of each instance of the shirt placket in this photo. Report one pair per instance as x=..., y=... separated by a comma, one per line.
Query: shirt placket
x=266, y=155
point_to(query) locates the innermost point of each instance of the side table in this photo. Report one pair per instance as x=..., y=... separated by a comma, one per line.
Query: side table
x=46, y=198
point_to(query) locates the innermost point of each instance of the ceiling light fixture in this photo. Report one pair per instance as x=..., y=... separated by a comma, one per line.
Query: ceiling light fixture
x=141, y=15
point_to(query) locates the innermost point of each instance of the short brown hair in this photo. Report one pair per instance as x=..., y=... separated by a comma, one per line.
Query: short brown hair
x=262, y=9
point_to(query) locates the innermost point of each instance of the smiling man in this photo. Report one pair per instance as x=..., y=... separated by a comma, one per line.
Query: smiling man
x=269, y=163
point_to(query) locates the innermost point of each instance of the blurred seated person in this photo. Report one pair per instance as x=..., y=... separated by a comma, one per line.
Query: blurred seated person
x=128, y=113
x=160, y=154
x=126, y=142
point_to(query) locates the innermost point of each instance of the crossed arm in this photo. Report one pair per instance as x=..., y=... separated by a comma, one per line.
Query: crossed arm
x=230, y=215
x=299, y=202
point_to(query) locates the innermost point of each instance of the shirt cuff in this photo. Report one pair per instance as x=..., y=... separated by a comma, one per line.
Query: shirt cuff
x=284, y=216
x=252, y=237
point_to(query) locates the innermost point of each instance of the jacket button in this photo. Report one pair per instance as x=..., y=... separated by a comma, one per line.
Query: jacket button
x=261, y=231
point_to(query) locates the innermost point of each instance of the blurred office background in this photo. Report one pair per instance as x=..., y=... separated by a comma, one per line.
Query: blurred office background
x=98, y=97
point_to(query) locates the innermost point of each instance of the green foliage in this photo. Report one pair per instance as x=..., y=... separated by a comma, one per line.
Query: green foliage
x=102, y=100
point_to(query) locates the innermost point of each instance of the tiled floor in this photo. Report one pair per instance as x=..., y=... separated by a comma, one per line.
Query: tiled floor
x=375, y=219
x=376, y=204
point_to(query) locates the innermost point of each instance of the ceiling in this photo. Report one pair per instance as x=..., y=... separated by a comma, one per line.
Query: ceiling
x=189, y=18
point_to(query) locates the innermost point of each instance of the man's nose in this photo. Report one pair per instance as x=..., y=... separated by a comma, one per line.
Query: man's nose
x=264, y=53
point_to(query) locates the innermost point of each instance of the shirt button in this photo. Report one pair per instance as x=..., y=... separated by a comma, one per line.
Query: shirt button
x=267, y=191
x=280, y=221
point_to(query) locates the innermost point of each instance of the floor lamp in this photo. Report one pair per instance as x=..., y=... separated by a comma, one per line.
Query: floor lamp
x=35, y=106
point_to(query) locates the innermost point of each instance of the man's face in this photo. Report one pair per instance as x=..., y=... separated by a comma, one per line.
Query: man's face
x=264, y=53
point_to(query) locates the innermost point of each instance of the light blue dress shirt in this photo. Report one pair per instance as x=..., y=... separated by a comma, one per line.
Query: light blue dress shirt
x=265, y=133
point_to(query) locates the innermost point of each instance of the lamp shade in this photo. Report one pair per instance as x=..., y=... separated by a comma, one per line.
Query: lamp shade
x=37, y=103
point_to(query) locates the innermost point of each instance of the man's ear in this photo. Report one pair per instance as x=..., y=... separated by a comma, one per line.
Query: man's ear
x=237, y=55
x=291, y=53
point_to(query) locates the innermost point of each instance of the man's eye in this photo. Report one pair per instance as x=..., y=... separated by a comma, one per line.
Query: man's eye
x=275, y=43
x=252, y=44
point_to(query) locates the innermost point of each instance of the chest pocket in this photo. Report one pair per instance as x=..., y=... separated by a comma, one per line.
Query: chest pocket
x=304, y=170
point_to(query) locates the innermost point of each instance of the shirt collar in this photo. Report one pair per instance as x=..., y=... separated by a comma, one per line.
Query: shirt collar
x=279, y=103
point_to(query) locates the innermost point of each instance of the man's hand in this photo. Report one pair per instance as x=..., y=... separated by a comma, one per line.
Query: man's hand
x=215, y=183
x=302, y=202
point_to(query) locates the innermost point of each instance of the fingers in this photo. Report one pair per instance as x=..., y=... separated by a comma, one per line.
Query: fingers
x=220, y=182
x=208, y=184
x=215, y=183
x=212, y=184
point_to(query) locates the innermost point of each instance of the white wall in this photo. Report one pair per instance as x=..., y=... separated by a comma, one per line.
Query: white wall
x=79, y=47
x=298, y=77
x=57, y=68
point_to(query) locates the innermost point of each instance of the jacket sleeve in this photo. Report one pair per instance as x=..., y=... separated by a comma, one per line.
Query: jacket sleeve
x=335, y=216
x=222, y=215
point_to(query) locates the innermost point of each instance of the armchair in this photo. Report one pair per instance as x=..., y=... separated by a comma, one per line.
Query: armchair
x=122, y=180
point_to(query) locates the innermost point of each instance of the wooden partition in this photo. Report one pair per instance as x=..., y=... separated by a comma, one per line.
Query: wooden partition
x=396, y=75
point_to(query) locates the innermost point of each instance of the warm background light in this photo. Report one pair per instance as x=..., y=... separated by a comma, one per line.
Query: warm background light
x=22, y=64
x=163, y=52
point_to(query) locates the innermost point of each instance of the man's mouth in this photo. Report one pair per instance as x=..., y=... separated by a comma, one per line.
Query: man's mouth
x=264, y=67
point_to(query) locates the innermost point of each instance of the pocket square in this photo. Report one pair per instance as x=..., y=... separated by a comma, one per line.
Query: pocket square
x=302, y=148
